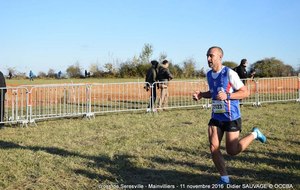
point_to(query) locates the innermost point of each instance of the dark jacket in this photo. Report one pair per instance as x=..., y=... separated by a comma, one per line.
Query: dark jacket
x=164, y=74
x=241, y=71
x=2, y=81
x=151, y=75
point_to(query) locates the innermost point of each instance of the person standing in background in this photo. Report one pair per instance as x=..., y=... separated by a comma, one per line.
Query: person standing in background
x=31, y=75
x=164, y=76
x=150, y=84
x=2, y=98
x=241, y=70
x=59, y=74
x=10, y=75
x=243, y=74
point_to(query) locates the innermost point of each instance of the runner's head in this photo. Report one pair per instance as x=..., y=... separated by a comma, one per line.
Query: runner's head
x=214, y=58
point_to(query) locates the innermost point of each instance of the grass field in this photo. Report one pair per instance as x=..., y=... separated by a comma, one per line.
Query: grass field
x=138, y=148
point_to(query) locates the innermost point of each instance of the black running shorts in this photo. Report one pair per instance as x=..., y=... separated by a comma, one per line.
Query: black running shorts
x=228, y=126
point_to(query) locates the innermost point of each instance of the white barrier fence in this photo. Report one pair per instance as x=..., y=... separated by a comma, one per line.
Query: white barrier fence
x=27, y=104
x=13, y=105
x=56, y=101
x=180, y=94
x=118, y=97
x=278, y=89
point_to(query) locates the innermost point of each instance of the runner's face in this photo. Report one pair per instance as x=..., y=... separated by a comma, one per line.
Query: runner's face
x=214, y=59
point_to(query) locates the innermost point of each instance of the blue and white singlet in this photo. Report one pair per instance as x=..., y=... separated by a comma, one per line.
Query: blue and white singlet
x=228, y=81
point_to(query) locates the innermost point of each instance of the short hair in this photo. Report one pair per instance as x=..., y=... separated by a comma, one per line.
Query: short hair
x=216, y=47
x=154, y=62
x=165, y=62
x=243, y=61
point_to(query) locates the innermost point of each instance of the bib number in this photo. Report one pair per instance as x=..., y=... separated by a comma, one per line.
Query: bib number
x=218, y=106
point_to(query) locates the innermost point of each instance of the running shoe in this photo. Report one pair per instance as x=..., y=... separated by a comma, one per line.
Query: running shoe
x=221, y=182
x=261, y=137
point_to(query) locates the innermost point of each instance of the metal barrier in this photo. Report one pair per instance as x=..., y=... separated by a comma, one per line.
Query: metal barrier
x=14, y=105
x=178, y=94
x=118, y=97
x=252, y=86
x=262, y=90
x=277, y=89
x=41, y=102
x=56, y=101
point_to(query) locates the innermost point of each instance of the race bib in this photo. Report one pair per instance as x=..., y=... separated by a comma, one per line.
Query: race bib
x=218, y=106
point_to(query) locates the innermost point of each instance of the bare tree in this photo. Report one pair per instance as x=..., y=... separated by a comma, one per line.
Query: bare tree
x=162, y=56
x=42, y=74
x=51, y=73
x=11, y=72
x=74, y=71
x=146, y=54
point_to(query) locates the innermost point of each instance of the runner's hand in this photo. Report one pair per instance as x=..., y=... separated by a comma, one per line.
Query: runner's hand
x=196, y=95
x=221, y=96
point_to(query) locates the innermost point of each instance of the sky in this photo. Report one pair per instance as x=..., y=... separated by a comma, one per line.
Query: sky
x=39, y=35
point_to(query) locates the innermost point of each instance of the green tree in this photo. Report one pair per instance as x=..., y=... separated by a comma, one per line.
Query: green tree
x=96, y=71
x=189, y=66
x=298, y=70
x=288, y=70
x=200, y=73
x=176, y=70
x=138, y=66
x=111, y=70
x=141, y=70
x=74, y=71
x=272, y=67
x=51, y=73
x=230, y=64
x=146, y=54
x=127, y=69
x=42, y=74
x=135, y=60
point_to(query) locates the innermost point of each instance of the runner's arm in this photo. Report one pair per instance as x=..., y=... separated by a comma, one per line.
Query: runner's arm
x=237, y=95
x=240, y=91
x=198, y=95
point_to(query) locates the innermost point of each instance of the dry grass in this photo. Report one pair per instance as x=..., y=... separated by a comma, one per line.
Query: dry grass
x=138, y=148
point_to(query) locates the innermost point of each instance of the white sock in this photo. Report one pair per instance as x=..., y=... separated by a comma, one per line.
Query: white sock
x=254, y=134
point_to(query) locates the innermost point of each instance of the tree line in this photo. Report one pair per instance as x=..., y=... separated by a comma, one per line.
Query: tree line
x=137, y=68
x=268, y=67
